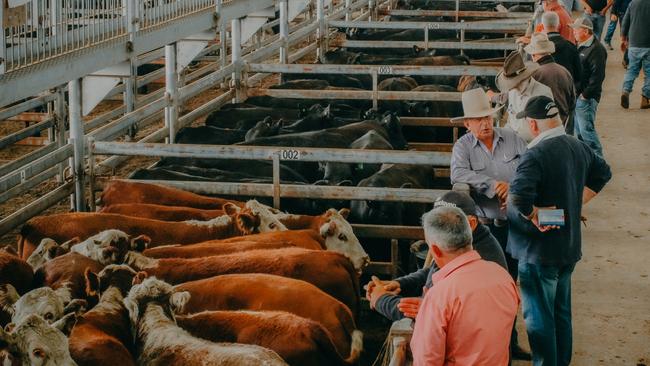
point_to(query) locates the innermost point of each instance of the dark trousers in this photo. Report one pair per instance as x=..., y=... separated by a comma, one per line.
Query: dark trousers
x=546, y=303
x=501, y=234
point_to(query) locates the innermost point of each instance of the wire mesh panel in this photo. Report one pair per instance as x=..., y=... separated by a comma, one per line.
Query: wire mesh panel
x=41, y=29
x=157, y=12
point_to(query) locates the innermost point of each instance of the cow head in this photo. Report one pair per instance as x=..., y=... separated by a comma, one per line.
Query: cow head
x=256, y=217
x=393, y=126
x=119, y=276
x=35, y=342
x=50, y=304
x=109, y=246
x=47, y=250
x=339, y=237
x=153, y=290
x=264, y=128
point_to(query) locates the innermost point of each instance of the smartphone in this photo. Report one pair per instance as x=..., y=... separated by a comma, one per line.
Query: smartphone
x=550, y=217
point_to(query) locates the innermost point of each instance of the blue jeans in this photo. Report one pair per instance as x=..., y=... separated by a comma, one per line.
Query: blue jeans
x=546, y=304
x=639, y=57
x=611, y=27
x=585, y=119
x=571, y=5
x=599, y=23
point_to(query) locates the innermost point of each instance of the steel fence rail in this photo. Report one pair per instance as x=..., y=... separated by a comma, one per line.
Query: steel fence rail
x=370, y=69
x=35, y=167
x=26, y=132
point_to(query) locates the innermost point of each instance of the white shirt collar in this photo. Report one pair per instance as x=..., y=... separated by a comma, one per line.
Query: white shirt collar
x=587, y=43
x=553, y=132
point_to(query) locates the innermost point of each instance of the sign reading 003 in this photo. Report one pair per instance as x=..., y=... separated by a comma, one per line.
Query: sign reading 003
x=289, y=154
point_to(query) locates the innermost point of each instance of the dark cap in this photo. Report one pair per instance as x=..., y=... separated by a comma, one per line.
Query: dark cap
x=541, y=107
x=456, y=199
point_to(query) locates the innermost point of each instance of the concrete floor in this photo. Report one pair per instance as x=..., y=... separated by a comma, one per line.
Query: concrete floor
x=611, y=285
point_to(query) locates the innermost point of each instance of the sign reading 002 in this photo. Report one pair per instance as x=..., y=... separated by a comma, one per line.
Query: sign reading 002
x=289, y=154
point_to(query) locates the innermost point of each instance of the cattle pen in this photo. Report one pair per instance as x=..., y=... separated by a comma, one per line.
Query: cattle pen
x=76, y=72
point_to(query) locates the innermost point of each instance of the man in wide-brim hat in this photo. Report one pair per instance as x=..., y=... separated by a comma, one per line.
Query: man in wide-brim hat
x=555, y=76
x=517, y=86
x=485, y=159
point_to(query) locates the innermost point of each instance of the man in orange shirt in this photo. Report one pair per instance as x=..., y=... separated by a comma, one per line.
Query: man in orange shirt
x=466, y=317
x=565, y=20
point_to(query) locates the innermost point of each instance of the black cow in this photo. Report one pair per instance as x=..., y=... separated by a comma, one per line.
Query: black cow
x=209, y=135
x=246, y=118
x=335, y=173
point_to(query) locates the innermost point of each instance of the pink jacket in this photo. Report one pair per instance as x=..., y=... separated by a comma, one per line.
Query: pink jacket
x=466, y=317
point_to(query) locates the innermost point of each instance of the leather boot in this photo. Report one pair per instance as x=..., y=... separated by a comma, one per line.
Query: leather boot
x=645, y=102
x=625, y=100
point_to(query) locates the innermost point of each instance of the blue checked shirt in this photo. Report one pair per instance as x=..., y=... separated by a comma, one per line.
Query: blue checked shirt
x=472, y=163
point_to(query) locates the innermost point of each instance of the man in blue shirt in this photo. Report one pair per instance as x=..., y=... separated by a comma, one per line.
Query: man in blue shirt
x=561, y=172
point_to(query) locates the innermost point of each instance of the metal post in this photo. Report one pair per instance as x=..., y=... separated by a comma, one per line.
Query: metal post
x=77, y=139
x=276, y=181
x=223, y=41
x=371, y=10
x=130, y=97
x=235, y=29
x=348, y=12
x=91, y=174
x=320, y=17
x=171, y=91
x=375, y=90
x=284, y=34
x=462, y=38
x=3, y=45
x=457, y=9
x=60, y=118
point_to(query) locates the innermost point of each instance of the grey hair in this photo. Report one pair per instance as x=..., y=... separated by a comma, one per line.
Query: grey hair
x=548, y=123
x=550, y=20
x=448, y=228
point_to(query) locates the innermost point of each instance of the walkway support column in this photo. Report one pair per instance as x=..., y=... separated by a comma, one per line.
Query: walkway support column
x=77, y=139
x=171, y=91
x=235, y=29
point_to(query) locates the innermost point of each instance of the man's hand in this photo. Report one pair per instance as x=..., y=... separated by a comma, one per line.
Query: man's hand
x=624, y=43
x=501, y=189
x=613, y=18
x=376, y=289
x=588, y=9
x=409, y=306
x=534, y=218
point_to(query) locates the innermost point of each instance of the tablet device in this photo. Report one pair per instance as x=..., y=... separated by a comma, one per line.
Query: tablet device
x=550, y=217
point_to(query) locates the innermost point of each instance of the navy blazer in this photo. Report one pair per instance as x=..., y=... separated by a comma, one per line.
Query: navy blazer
x=552, y=173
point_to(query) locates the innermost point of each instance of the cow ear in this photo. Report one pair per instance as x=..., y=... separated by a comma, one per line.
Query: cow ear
x=133, y=310
x=9, y=328
x=327, y=112
x=65, y=247
x=407, y=185
x=416, y=49
x=8, y=297
x=64, y=294
x=66, y=323
x=140, y=243
x=139, y=277
x=10, y=250
x=178, y=300
x=230, y=208
x=76, y=306
x=345, y=212
x=92, y=283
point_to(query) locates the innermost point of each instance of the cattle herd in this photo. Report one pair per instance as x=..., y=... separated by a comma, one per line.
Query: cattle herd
x=164, y=276
x=178, y=278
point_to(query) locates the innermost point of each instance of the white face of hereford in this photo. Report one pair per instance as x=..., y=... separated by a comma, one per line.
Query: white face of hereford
x=107, y=247
x=45, y=302
x=34, y=342
x=45, y=252
x=268, y=220
x=339, y=237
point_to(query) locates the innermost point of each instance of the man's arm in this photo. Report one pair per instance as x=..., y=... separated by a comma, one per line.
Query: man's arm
x=412, y=283
x=598, y=176
x=387, y=306
x=597, y=66
x=461, y=171
x=523, y=189
x=625, y=26
x=429, y=339
x=609, y=5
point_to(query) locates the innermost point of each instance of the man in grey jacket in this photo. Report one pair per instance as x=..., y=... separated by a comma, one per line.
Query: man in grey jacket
x=635, y=33
x=554, y=76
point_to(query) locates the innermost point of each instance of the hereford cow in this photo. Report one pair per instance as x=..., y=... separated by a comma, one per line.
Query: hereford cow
x=67, y=271
x=329, y=271
x=307, y=239
x=49, y=304
x=15, y=271
x=268, y=292
x=162, y=213
x=122, y=191
x=61, y=227
x=35, y=342
x=102, y=336
x=297, y=340
x=47, y=250
x=159, y=341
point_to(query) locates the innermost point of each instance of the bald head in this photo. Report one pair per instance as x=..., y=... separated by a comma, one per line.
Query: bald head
x=551, y=21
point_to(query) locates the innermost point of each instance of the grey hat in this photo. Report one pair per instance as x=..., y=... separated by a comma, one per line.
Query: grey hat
x=582, y=22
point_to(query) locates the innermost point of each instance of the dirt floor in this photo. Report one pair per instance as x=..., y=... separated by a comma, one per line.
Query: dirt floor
x=611, y=285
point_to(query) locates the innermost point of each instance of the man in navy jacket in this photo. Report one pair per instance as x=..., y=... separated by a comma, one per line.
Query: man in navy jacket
x=558, y=171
